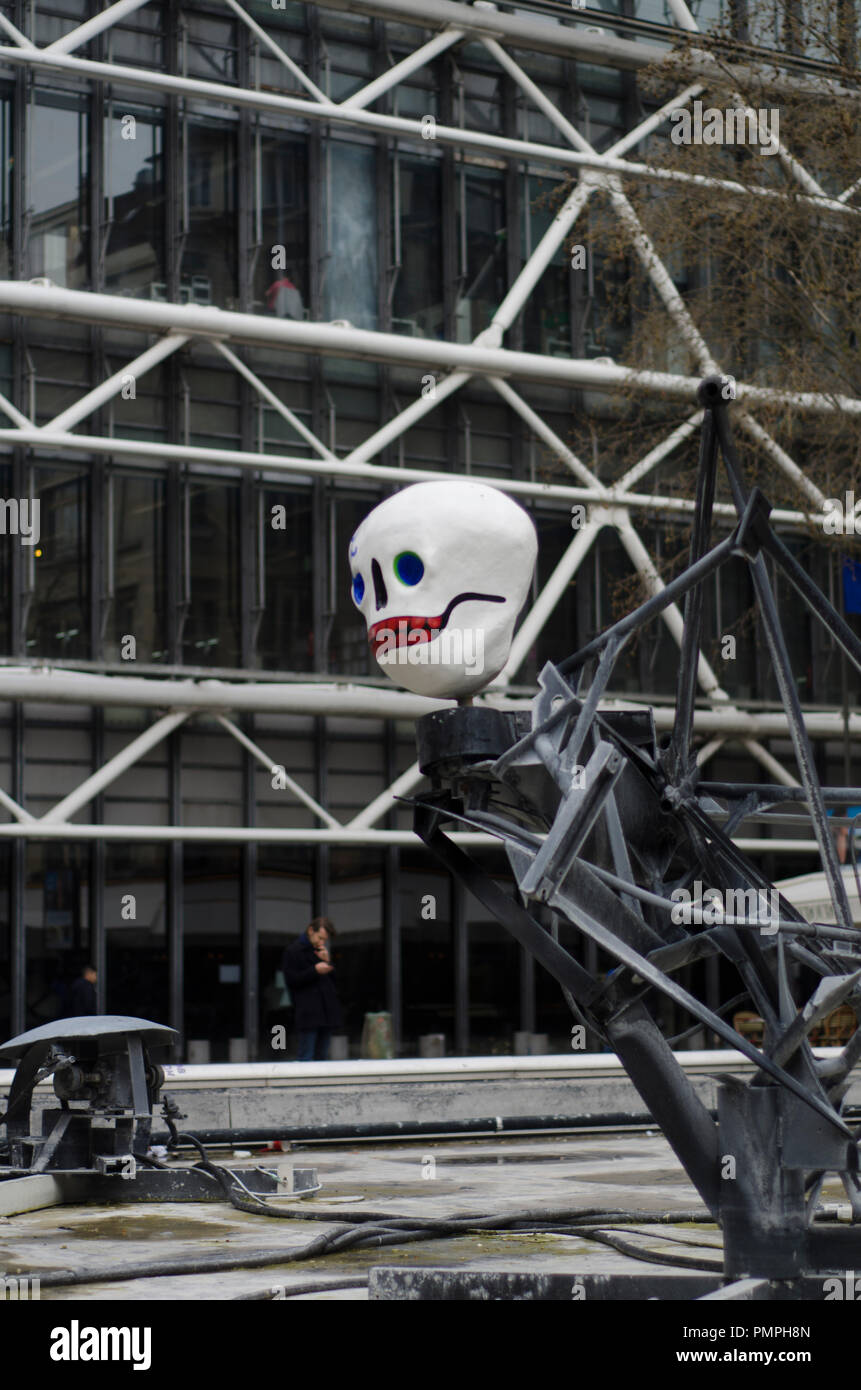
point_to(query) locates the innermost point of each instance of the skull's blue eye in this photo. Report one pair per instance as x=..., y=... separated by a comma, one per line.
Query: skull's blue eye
x=358, y=588
x=408, y=567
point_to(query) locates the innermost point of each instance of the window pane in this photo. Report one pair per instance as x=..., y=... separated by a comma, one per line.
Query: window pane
x=427, y=952
x=356, y=909
x=57, y=195
x=350, y=285
x=547, y=317
x=136, y=568
x=211, y=632
x=5, y=187
x=209, y=254
x=483, y=279
x=58, y=619
x=213, y=955
x=417, y=307
x=285, y=882
x=281, y=268
x=135, y=931
x=286, y=636
x=56, y=920
x=134, y=205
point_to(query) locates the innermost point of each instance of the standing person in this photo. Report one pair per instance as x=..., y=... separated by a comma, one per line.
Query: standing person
x=83, y=993
x=308, y=972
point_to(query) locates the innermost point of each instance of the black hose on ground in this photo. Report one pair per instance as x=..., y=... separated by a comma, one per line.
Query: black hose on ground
x=487, y=1126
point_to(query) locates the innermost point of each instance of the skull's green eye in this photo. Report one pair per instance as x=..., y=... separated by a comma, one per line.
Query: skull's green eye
x=408, y=567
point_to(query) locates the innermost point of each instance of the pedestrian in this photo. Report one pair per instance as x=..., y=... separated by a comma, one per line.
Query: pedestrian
x=308, y=972
x=83, y=993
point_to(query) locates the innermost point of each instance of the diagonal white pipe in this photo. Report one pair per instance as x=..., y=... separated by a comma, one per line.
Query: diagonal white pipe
x=165, y=347
x=278, y=52
x=114, y=768
x=84, y=32
x=269, y=763
x=283, y=410
x=413, y=61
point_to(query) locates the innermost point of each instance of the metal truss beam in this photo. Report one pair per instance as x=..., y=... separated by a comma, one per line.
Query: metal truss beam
x=455, y=136
x=141, y=453
x=97, y=25
x=351, y=700
x=249, y=835
x=114, y=768
x=332, y=340
x=271, y=766
x=606, y=50
x=269, y=396
x=161, y=350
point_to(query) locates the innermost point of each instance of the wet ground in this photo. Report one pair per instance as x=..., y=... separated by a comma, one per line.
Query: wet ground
x=112, y=1249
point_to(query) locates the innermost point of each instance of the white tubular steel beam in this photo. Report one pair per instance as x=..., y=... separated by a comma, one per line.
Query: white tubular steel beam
x=97, y=25
x=607, y=50
x=848, y=192
x=547, y=435
x=456, y=136
x=681, y=316
x=138, y=454
x=771, y=765
x=278, y=52
x=550, y=595
x=683, y=16
x=165, y=347
x=298, y=791
x=537, y=264
x=672, y=616
x=17, y=811
x=535, y=94
x=269, y=396
x=245, y=835
x=382, y=804
x=686, y=21
x=114, y=768
x=405, y=419
x=708, y=750
x=491, y=336
x=21, y=39
x=153, y=316
x=782, y=459
x=654, y=121
x=64, y=687
x=658, y=454
x=228, y=835
x=405, y=68
x=657, y=272
x=14, y=414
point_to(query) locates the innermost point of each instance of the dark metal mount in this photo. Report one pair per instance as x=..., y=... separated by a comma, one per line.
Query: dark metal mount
x=602, y=826
x=96, y=1144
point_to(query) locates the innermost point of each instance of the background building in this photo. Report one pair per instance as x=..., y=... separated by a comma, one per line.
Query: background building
x=247, y=251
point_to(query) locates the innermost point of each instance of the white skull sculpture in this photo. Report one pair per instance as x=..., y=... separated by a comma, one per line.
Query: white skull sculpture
x=440, y=573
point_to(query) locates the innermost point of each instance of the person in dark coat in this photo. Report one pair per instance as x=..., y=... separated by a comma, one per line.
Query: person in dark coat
x=308, y=972
x=82, y=996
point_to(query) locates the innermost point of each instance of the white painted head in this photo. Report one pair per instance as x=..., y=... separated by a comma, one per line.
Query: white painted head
x=440, y=572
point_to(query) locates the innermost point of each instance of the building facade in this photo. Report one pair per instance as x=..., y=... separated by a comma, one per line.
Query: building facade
x=260, y=265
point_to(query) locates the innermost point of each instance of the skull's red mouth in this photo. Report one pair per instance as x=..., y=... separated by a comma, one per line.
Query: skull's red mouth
x=395, y=632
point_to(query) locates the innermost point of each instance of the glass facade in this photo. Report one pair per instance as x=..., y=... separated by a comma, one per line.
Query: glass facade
x=207, y=565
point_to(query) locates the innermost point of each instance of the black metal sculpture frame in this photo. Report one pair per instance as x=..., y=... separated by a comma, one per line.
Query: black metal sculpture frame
x=602, y=826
